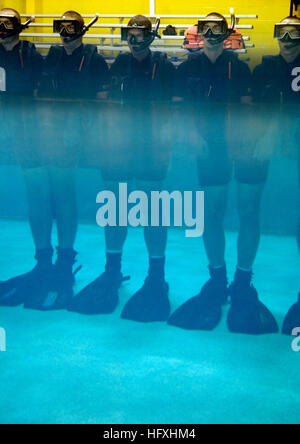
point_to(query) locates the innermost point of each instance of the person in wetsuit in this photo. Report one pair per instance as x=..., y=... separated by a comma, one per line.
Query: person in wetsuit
x=277, y=87
x=72, y=74
x=20, y=74
x=216, y=86
x=142, y=80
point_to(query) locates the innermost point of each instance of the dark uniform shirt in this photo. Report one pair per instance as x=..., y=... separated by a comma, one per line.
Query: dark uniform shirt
x=273, y=81
x=208, y=88
x=200, y=80
x=20, y=74
x=152, y=79
x=71, y=77
x=276, y=86
x=20, y=69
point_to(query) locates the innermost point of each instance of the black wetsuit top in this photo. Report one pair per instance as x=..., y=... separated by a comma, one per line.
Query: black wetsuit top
x=200, y=80
x=22, y=67
x=20, y=74
x=149, y=80
x=209, y=87
x=277, y=82
x=79, y=75
x=274, y=81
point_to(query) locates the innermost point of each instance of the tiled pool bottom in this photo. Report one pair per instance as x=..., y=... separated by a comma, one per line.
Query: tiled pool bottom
x=66, y=368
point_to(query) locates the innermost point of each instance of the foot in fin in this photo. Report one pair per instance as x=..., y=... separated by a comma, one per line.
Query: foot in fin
x=99, y=297
x=102, y=295
x=247, y=315
x=150, y=304
x=292, y=319
x=204, y=312
x=15, y=291
x=55, y=291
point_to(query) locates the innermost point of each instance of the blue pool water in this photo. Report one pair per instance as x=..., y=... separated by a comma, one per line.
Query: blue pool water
x=66, y=368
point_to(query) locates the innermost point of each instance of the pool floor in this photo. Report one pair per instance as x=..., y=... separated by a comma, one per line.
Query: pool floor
x=61, y=367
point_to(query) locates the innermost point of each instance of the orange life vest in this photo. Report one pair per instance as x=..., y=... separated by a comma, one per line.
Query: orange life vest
x=194, y=41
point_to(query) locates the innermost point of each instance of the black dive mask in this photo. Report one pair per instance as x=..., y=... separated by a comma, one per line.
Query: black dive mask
x=140, y=46
x=283, y=31
x=148, y=37
x=215, y=39
x=293, y=42
x=4, y=32
x=14, y=27
x=72, y=29
x=216, y=30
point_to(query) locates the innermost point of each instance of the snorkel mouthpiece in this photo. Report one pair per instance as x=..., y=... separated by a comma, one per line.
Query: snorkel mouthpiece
x=214, y=39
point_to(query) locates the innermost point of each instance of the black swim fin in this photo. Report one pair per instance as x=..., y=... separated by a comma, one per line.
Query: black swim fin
x=55, y=290
x=15, y=291
x=292, y=319
x=204, y=311
x=247, y=315
x=99, y=297
x=150, y=304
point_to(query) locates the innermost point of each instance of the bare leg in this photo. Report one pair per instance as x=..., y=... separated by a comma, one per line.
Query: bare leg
x=214, y=235
x=64, y=195
x=155, y=237
x=115, y=237
x=246, y=314
x=249, y=200
x=39, y=203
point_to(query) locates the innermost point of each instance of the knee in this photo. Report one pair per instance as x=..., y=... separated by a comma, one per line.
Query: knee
x=248, y=210
x=215, y=212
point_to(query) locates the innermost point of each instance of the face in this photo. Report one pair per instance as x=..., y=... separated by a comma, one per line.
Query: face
x=6, y=25
x=69, y=31
x=136, y=39
x=212, y=33
x=289, y=48
x=67, y=27
x=68, y=34
x=216, y=28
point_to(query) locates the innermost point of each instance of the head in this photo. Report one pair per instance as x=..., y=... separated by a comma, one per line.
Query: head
x=139, y=35
x=288, y=35
x=10, y=25
x=70, y=28
x=214, y=30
